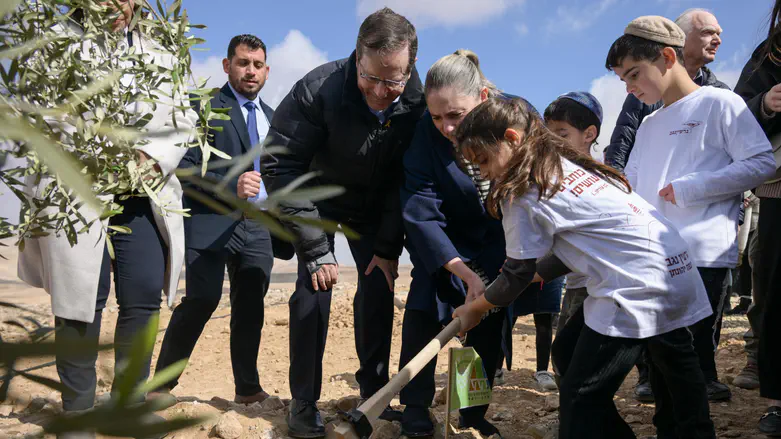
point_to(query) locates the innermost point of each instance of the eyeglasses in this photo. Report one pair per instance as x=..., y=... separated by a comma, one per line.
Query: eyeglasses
x=388, y=83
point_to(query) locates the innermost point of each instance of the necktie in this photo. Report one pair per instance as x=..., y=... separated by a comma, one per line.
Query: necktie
x=254, y=139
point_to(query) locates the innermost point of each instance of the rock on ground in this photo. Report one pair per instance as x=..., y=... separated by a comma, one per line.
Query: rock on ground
x=229, y=426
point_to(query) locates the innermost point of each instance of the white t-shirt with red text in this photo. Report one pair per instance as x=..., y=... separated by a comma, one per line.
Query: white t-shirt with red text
x=641, y=278
x=709, y=146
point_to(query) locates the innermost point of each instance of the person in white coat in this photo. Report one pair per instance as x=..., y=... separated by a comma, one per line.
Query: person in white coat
x=147, y=261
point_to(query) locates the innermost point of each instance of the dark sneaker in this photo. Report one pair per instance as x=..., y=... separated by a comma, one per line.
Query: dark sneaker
x=748, y=378
x=741, y=308
x=770, y=423
x=718, y=391
x=391, y=415
x=485, y=428
x=304, y=421
x=643, y=392
x=388, y=414
x=416, y=422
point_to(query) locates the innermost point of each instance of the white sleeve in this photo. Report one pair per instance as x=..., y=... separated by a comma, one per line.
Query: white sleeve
x=524, y=234
x=752, y=156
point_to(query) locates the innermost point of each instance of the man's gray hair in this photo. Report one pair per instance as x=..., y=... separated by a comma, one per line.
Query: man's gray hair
x=684, y=21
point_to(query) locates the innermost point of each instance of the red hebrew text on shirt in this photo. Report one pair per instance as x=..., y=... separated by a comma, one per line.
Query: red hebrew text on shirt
x=636, y=210
x=679, y=264
x=578, y=181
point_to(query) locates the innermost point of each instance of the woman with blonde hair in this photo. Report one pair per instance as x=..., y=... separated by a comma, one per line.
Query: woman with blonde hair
x=455, y=246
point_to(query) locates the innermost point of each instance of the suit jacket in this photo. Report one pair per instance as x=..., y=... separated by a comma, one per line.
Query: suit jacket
x=71, y=274
x=444, y=219
x=205, y=228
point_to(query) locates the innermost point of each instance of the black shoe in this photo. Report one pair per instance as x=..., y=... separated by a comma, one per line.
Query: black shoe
x=718, y=391
x=485, y=428
x=304, y=421
x=770, y=423
x=741, y=308
x=643, y=392
x=391, y=415
x=416, y=422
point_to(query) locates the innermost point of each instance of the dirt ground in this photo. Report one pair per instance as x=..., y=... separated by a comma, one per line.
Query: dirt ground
x=519, y=410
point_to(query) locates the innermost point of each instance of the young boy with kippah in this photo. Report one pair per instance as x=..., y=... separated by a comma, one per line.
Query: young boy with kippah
x=577, y=118
x=693, y=159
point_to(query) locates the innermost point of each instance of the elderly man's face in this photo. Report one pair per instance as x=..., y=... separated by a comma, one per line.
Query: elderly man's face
x=704, y=39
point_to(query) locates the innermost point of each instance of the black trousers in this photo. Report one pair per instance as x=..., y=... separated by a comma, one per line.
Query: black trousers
x=768, y=277
x=707, y=332
x=249, y=259
x=419, y=328
x=373, y=314
x=139, y=278
x=593, y=366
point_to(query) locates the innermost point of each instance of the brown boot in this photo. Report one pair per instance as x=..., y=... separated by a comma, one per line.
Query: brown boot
x=748, y=378
x=258, y=397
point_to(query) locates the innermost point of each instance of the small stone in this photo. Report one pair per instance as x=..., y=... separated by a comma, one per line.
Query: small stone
x=229, y=426
x=552, y=403
x=221, y=403
x=721, y=423
x=272, y=403
x=6, y=410
x=209, y=337
x=441, y=397
x=386, y=430
x=281, y=322
x=634, y=419
x=36, y=405
x=729, y=379
x=348, y=402
x=502, y=416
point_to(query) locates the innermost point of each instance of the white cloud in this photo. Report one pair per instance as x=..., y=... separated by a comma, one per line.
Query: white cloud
x=441, y=12
x=522, y=29
x=290, y=60
x=570, y=18
x=611, y=93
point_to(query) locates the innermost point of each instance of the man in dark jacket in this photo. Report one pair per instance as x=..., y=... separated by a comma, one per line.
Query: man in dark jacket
x=350, y=121
x=702, y=41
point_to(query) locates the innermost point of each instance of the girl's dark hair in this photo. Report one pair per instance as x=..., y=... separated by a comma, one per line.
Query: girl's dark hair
x=639, y=49
x=536, y=161
x=772, y=49
x=573, y=113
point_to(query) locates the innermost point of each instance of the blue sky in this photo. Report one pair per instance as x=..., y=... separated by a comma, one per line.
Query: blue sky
x=531, y=48
x=534, y=49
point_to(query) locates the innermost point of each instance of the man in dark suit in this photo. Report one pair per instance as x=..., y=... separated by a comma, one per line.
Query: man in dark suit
x=350, y=121
x=215, y=240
